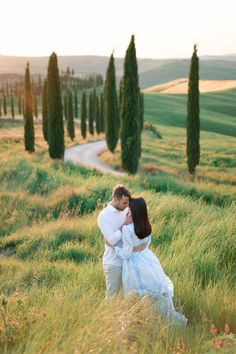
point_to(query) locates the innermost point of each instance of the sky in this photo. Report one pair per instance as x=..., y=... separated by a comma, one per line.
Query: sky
x=162, y=29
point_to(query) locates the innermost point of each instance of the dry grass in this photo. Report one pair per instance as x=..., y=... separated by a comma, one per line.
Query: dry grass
x=180, y=86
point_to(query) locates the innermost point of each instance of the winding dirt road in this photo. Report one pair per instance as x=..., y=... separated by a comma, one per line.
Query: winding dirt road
x=87, y=155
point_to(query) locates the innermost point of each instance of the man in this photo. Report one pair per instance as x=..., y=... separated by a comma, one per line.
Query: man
x=110, y=221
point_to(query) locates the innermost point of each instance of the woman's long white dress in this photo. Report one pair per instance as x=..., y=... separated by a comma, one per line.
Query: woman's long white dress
x=142, y=274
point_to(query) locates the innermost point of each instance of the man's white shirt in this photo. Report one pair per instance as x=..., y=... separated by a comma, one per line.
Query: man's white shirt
x=110, y=221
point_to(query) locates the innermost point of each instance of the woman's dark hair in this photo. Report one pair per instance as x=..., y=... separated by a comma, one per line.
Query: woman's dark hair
x=142, y=226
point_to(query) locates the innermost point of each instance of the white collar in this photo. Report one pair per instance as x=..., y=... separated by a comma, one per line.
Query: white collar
x=113, y=209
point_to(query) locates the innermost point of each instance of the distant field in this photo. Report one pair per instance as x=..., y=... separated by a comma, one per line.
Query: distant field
x=208, y=70
x=181, y=86
x=217, y=111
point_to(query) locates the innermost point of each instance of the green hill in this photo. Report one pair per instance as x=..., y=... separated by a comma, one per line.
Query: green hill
x=208, y=70
x=217, y=111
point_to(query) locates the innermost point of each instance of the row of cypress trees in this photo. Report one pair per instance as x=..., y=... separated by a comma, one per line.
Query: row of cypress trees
x=4, y=107
x=53, y=128
x=52, y=112
x=92, y=116
x=124, y=119
x=124, y=116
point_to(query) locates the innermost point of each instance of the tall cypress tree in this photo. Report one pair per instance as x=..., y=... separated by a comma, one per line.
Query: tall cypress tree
x=111, y=116
x=55, y=116
x=0, y=107
x=23, y=106
x=70, y=116
x=130, y=125
x=12, y=107
x=19, y=105
x=91, y=127
x=35, y=103
x=65, y=108
x=45, y=110
x=28, y=114
x=76, y=103
x=102, y=114
x=193, y=111
x=98, y=123
x=4, y=105
x=83, y=124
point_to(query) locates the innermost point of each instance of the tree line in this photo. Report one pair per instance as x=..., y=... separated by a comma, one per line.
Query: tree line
x=117, y=113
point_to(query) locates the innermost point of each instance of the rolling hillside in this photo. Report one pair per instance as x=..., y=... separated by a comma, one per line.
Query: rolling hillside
x=217, y=111
x=208, y=70
x=181, y=86
x=152, y=71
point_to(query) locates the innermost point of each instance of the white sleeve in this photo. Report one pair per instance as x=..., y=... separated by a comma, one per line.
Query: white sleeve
x=127, y=249
x=106, y=228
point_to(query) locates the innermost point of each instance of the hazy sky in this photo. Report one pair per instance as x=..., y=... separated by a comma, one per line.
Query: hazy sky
x=163, y=29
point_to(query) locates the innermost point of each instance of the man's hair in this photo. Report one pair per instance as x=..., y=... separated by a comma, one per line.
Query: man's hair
x=119, y=191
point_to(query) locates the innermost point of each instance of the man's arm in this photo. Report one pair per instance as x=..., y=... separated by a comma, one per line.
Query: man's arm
x=105, y=226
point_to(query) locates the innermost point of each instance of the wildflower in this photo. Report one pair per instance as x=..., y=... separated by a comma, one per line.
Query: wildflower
x=213, y=330
x=226, y=329
x=218, y=343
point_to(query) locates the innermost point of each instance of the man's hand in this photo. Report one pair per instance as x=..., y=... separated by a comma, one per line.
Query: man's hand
x=135, y=249
x=109, y=244
x=140, y=247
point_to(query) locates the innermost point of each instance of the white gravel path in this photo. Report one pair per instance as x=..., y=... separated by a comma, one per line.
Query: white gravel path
x=87, y=155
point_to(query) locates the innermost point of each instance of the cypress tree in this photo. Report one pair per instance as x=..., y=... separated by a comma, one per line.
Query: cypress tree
x=35, y=101
x=94, y=105
x=98, y=122
x=55, y=116
x=102, y=114
x=83, y=124
x=19, y=105
x=76, y=103
x=70, y=116
x=193, y=119
x=28, y=115
x=130, y=126
x=23, y=106
x=111, y=116
x=65, y=105
x=0, y=107
x=4, y=105
x=45, y=110
x=91, y=127
x=12, y=107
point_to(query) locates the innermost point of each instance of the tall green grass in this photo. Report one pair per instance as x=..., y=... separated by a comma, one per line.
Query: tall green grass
x=51, y=280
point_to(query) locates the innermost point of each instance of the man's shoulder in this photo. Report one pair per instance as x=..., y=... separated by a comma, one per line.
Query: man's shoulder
x=104, y=211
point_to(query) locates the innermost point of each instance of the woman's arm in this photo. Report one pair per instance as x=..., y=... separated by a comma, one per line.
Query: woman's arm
x=127, y=249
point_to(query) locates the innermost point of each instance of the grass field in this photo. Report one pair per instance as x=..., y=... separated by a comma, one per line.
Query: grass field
x=51, y=279
x=217, y=111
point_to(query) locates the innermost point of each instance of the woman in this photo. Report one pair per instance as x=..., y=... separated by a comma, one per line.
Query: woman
x=142, y=272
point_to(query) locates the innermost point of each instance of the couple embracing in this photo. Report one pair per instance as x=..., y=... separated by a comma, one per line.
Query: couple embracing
x=128, y=260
